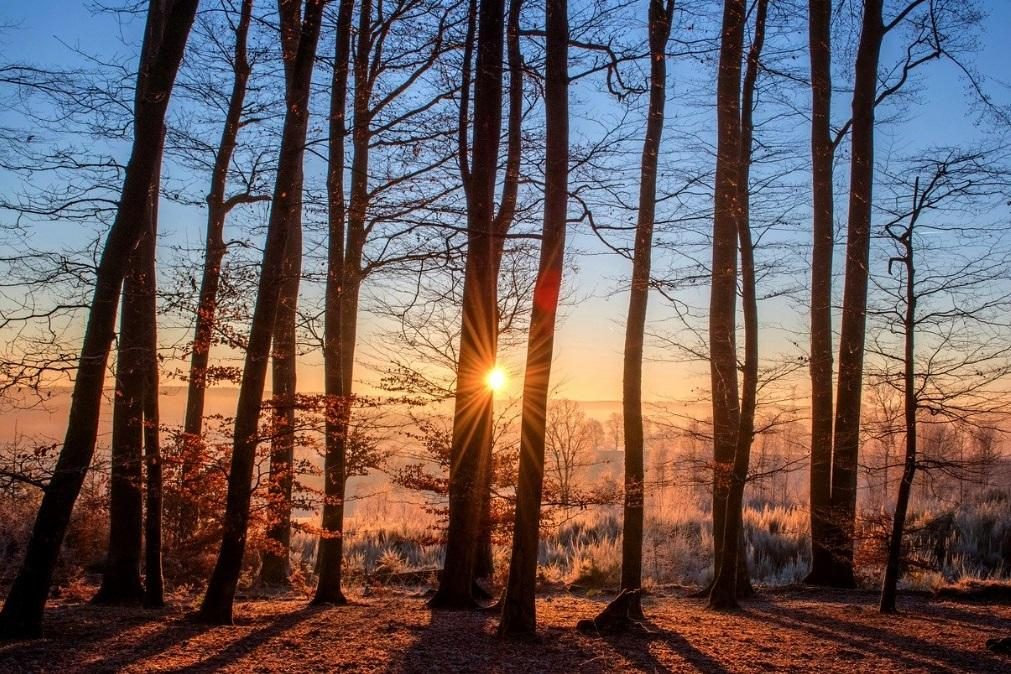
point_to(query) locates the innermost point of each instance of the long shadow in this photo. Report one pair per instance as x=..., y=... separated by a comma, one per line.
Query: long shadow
x=910, y=651
x=76, y=629
x=180, y=630
x=258, y=637
x=635, y=649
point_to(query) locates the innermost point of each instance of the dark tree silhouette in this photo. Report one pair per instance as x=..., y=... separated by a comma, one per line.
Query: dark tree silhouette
x=166, y=32
x=519, y=615
x=217, y=604
x=472, y=429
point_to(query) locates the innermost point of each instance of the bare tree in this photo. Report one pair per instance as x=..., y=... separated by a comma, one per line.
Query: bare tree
x=167, y=29
x=217, y=604
x=948, y=310
x=518, y=610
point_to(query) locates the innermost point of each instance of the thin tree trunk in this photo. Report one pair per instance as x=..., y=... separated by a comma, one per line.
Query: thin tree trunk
x=154, y=590
x=723, y=303
x=518, y=611
x=483, y=563
x=214, y=252
x=472, y=428
x=121, y=582
x=749, y=297
x=331, y=544
x=822, y=157
x=890, y=582
x=217, y=604
x=854, y=313
x=275, y=568
x=168, y=26
x=660, y=16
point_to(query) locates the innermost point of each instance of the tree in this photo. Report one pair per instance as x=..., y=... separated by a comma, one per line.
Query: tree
x=661, y=15
x=518, y=610
x=472, y=423
x=949, y=312
x=134, y=425
x=217, y=604
x=723, y=296
x=568, y=439
x=379, y=228
x=937, y=29
x=219, y=204
x=337, y=380
x=166, y=32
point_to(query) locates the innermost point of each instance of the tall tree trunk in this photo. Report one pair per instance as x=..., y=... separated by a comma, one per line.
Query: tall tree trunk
x=331, y=544
x=660, y=16
x=749, y=303
x=168, y=26
x=217, y=604
x=519, y=615
x=472, y=427
x=890, y=581
x=822, y=157
x=214, y=252
x=854, y=313
x=483, y=563
x=121, y=582
x=154, y=589
x=723, y=302
x=275, y=569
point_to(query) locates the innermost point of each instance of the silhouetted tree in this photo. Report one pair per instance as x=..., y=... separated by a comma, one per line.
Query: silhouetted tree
x=217, y=604
x=519, y=615
x=168, y=26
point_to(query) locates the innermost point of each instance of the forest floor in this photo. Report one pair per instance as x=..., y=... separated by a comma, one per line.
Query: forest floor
x=782, y=630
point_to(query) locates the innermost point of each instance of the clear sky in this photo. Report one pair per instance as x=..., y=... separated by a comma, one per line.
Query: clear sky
x=589, y=344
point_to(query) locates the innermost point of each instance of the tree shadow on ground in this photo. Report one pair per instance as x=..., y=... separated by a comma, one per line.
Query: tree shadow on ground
x=910, y=651
x=636, y=650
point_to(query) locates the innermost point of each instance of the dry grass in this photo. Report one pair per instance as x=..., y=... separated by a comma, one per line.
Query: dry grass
x=794, y=630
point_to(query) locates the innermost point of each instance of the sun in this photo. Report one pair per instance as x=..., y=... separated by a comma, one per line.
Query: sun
x=496, y=379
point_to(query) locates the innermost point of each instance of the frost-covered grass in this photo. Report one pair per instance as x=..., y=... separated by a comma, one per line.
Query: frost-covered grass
x=971, y=542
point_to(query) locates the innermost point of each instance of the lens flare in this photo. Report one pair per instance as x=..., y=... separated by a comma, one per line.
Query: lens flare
x=496, y=379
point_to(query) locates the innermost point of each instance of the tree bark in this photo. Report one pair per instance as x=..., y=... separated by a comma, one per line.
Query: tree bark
x=660, y=16
x=214, y=252
x=519, y=616
x=217, y=604
x=723, y=299
x=121, y=581
x=154, y=586
x=472, y=428
x=854, y=313
x=275, y=568
x=337, y=379
x=823, y=216
x=890, y=581
x=168, y=26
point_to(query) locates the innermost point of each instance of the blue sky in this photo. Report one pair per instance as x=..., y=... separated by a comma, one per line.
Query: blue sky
x=590, y=340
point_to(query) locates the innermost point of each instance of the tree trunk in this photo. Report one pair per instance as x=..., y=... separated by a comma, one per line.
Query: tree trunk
x=154, y=590
x=343, y=284
x=822, y=157
x=275, y=568
x=890, y=582
x=214, y=252
x=723, y=304
x=518, y=611
x=660, y=15
x=854, y=313
x=217, y=603
x=472, y=428
x=121, y=582
x=736, y=550
x=168, y=27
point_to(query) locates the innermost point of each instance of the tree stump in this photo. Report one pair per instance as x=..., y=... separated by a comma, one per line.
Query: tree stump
x=622, y=615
